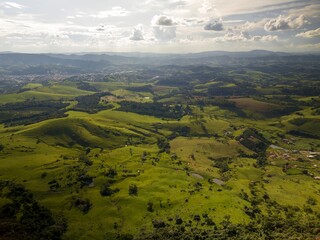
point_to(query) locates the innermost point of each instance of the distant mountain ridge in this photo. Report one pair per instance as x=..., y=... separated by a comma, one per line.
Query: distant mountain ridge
x=93, y=62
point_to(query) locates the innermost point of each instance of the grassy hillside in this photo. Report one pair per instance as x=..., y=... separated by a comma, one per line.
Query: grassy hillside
x=222, y=168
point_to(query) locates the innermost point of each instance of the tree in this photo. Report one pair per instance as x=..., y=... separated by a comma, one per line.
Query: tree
x=25, y=218
x=112, y=172
x=150, y=206
x=144, y=156
x=133, y=190
x=107, y=191
x=163, y=145
x=222, y=165
x=262, y=160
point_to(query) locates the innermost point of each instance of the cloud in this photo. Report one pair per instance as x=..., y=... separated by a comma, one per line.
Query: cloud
x=10, y=5
x=198, y=24
x=250, y=26
x=310, y=11
x=114, y=12
x=62, y=36
x=285, y=23
x=177, y=3
x=233, y=36
x=214, y=25
x=163, y=20
x=101, y=28
x=310, y=34
x=265, y=38
x=137, y=34
x=167, y=21
x=206, y=7
x=193, y=21
x=164, y=33
x=309, y=47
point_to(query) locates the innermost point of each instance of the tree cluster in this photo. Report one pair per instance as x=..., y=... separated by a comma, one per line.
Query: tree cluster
x=25, y=218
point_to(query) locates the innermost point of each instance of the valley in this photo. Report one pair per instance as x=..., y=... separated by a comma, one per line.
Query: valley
x=171, y=149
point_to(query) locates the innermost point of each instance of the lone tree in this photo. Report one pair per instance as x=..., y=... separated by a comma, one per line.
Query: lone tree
x=150, y=206
x=133, y=190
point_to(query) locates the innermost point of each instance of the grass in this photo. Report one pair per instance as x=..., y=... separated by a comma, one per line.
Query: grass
x=254, y=105
x=39, y=153
x=55, y=92
x=306, y=125
x=155, y=183
x=63, y=90
x=199, y=153
x=32, y=85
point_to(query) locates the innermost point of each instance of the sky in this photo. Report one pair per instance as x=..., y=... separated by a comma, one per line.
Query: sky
x=166, y=26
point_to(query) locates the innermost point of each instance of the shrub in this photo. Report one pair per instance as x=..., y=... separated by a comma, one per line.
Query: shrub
x=150, y=207
x=133, y=190
x=111, y=172
x=311, y=201
x=84, y=205
x=107, y=191
x=158, y=224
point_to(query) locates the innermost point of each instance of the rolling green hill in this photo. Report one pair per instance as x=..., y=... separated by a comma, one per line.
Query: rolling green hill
x=226, y=153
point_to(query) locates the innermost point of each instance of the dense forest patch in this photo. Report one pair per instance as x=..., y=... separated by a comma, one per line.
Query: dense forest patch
x=22, y=217
x=28, y=112
x=156, y=109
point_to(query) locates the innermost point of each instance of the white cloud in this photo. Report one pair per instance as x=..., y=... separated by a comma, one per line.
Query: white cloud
x=249, y=26
x=163, y=20
x=308, y=47
x=310, y=34
x=245, y=7
x=167, y=21
x=193, y=21
x=206, y=7
x=114, y=12
x=137, y=34
x=105, y=25
x=29, y=33
x=285, y=23
x=214, y=25
x=310, y=11
x=232, y=36
x=164, y=33
x=101, y=28
x=10, y=5
x=265, y=38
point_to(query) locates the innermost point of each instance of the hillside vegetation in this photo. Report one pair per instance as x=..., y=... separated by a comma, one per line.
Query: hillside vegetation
x=166, y=152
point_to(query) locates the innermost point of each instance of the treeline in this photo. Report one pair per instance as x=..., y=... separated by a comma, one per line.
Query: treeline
x=271, y=227
x=253, y=140
x=144, y=88
x=179, y=76
x=156, y=109
x=24, y=218
x=91, y=103
x=86, y=86
x=302, y=90
x=231, y=91
x=29, y=112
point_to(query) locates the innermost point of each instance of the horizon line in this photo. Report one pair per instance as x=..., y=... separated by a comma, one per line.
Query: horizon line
x=161, y=53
